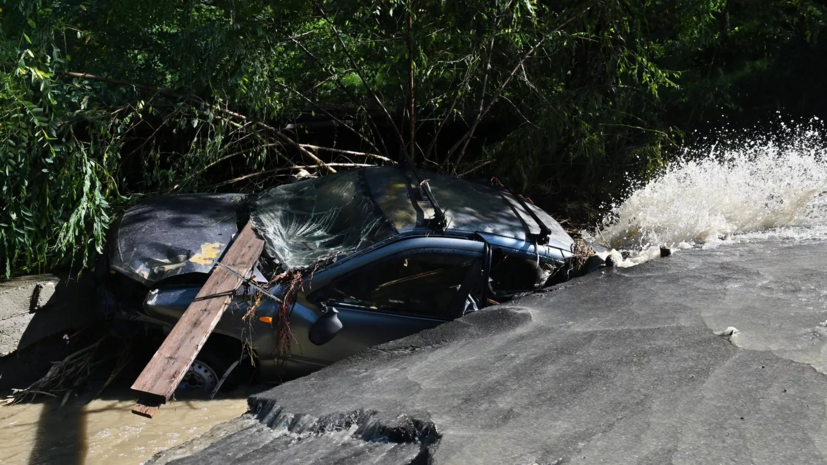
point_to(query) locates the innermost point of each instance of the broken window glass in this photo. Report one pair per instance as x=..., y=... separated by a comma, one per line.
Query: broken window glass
x=308, y=221
x=420, y=284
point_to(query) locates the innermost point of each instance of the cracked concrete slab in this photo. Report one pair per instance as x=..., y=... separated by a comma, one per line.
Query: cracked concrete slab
x=619, y=367
x=35, y=307
x=19, y=300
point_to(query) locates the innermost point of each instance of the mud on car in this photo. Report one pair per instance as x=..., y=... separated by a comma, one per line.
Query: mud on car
x=351, y=260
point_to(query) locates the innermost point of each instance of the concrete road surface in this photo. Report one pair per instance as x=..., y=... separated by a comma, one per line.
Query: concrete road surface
x=628, y=366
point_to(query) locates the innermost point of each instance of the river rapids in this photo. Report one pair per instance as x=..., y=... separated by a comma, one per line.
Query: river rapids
x=755, y=189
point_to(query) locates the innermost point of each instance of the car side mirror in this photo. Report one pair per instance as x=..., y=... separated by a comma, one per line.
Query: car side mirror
x=325, y=328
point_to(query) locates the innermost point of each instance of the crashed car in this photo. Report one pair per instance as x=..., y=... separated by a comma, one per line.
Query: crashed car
x=383, y=252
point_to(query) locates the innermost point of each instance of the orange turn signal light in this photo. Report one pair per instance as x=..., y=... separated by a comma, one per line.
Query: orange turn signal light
x=265, y=319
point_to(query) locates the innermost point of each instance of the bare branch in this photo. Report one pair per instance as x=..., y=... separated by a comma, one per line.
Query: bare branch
x=412, y=116
x=328, y=114
x=224, y=158
x=278, y=133
x=303, y=150
x=450, y=112
x=344, y=89
x=478, y=166
x=527, y=121
x=279, y=170
x=359, y=72
x=490, y=54
x=348, y=152
x=466, y=138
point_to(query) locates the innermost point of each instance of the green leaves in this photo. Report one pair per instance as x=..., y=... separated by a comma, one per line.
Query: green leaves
x=596, y=99
x=55, y=188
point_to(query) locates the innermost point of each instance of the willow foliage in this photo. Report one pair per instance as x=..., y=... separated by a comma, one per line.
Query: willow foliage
x=101, y=102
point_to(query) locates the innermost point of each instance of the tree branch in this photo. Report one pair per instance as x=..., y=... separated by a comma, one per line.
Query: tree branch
x=448, y=115
x=412, y=149
x=193, y=99
x=279, y=170
x=345, y=90
x=466, y=138
x=328, y=114
x=359, y=72
x=348, y=152
x=303, y=150
x=496, y=23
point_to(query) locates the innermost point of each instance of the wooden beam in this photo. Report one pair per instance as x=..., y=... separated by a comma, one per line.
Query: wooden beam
x=146, y=408
x=160, y=378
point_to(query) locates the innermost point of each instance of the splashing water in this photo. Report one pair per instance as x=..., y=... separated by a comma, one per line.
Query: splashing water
x=760, y=189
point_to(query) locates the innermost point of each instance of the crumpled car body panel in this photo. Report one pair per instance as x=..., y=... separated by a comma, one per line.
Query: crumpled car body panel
x=173, y=235
x=343, y=213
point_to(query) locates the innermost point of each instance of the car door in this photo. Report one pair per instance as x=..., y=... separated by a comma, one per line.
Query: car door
x=394, y=297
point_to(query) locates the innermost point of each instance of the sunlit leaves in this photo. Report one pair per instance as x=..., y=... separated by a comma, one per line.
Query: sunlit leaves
x=588, y=103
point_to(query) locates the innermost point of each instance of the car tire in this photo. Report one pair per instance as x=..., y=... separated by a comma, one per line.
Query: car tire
x=206, y=371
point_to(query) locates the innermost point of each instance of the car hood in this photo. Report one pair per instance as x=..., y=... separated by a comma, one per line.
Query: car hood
x=173, y=235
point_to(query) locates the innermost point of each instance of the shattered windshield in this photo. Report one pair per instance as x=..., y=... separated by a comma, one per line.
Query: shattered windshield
x=305, y=222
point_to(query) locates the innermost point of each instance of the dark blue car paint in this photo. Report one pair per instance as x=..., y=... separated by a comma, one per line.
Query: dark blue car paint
x=362, y=327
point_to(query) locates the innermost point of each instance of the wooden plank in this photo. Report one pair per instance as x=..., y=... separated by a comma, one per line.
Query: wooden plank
x=161, y=376
x=146, y=408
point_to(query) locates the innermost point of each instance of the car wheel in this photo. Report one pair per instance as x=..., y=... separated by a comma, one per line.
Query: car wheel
x=205, y=373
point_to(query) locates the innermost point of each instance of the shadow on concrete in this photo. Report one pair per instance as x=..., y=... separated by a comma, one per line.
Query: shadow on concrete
x=43, y=319
x=71, y=307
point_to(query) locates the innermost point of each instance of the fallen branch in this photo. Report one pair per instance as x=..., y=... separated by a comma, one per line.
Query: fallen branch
x=224, y=158
x=303, y=150
x=347, y=152
x=289, y=168
x=327, y=113
x=63, y=377
x=193, y=99
x=475, y=168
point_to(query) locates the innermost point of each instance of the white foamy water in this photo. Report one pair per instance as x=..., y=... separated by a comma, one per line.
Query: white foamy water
x=756, y=190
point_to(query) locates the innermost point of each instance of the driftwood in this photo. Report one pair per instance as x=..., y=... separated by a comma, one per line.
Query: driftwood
x=63, y=378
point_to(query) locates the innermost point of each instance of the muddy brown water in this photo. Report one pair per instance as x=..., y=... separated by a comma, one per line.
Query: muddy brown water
x=104, y=430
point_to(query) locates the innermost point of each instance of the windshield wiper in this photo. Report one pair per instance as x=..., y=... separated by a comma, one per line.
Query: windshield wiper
x=438, y=222
x=545, y=232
